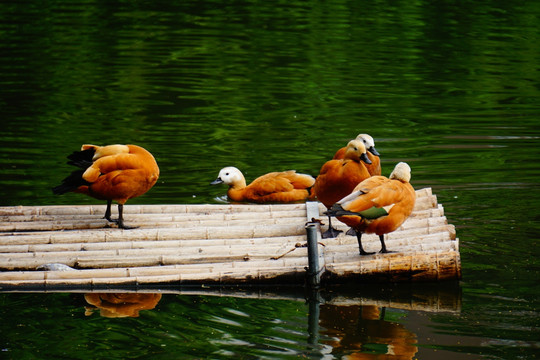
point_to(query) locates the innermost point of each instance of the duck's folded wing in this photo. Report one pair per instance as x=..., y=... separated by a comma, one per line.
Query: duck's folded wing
x=270, y=183
x=388, y=194
x=298, y=181
x=379, y=192
x=108, y=164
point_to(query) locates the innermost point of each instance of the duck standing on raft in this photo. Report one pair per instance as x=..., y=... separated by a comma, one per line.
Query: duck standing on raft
x=338, y=177
x=377, y=205
x=281, y=187
x=112, y=172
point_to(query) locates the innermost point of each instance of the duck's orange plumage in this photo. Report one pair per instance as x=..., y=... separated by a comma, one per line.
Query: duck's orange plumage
x=113, y=305
x=378, y=205
x=375, y=167
x=282, y=187
x=112, y=172
x=338, y=177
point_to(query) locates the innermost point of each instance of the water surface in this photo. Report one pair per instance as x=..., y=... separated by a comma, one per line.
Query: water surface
x=450, y=88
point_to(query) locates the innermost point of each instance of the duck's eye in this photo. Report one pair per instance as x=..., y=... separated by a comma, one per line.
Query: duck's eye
x=226, y=174
x=355, y=149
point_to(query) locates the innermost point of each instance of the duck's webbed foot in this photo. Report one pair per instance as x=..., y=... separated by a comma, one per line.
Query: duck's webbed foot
x=360, y=247
x=120, y=220
x=384, y=250
x=362, y=252
x=331, y=232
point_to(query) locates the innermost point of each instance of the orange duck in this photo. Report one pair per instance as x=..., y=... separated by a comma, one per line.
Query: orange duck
x=377, y=205
x=375, y=167
x=338, y=177
x=282, y=187
x=112, y=172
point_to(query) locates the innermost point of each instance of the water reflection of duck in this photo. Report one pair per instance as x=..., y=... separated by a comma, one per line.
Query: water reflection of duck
x=112, y=172
x=361, y=332
x=375, y=167
x=377, y=205
x=121, y=304
x=283, y=187
x=338, y=177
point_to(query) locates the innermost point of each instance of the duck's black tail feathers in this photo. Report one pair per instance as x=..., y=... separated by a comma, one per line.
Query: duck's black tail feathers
x=70, y=183
x=337, y=210
x=81, y=159
x=370, y=214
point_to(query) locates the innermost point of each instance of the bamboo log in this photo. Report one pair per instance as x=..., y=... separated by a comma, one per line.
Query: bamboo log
x=402, y=246
x=137, y=257
x=140, y=222
x=428, y=266
x=191, y=233
x=148, y=209
x=163, y=244
x=351, y=251
x=161, y=218
x=432, y=267
x=379, y=267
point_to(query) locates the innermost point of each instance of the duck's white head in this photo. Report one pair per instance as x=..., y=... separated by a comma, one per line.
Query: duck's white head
x=368, y=142
x=401, y=172
x=230, y=176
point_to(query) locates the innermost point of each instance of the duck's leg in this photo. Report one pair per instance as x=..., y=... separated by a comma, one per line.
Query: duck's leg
x=108, y=212
x=331, y=232
x=362, y=251
x=383, y=246
x=121, y=218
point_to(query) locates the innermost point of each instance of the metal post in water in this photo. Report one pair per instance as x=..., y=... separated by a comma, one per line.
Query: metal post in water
x=314, y=315
x=314, y=274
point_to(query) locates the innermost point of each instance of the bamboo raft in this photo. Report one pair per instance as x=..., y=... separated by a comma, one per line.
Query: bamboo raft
x=214, y=245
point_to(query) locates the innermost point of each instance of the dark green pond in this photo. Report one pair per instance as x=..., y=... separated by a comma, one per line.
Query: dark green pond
x=452, y=88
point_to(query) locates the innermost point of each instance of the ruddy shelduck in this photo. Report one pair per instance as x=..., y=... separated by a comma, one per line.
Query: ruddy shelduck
x=338, y=177
x=375, y=167
x=378, y=205
x=278, y=187
x=112, y=172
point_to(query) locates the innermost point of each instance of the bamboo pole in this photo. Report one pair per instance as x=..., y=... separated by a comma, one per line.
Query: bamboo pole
x=433, y=266
x=127, y=258
x=156, y=234
x=150, y=244
x=429, y=266
x=149, y=209
x=159, y=217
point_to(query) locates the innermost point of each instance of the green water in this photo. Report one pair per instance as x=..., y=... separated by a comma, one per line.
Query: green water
x=450, y=87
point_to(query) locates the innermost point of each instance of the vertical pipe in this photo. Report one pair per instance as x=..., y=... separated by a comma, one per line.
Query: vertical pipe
x=313, y=317
x=314, y=276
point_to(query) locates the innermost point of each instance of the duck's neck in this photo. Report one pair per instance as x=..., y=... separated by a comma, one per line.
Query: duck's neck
x=351, y=155
x=238, y=183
